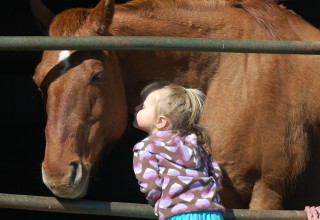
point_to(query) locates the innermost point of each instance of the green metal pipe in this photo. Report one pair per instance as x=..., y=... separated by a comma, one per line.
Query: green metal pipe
x=52, y=204
x=40, y=43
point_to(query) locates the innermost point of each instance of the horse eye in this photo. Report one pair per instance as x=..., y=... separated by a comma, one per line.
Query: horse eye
x=96, y=78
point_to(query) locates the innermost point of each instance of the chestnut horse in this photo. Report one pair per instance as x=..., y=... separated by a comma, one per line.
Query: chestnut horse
x=263, y=110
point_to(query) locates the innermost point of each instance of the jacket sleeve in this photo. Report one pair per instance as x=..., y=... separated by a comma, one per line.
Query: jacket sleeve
x=146, y=170
x=215, y=170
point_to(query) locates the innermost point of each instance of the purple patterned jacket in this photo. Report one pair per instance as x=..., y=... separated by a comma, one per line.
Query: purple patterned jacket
x=176, y=175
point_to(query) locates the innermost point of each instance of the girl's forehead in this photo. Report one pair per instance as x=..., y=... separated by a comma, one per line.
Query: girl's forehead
x=158, y=93
x=152, y=97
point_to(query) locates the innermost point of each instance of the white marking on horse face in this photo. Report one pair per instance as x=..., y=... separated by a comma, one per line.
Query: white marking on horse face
x=64, y=54
x=63, y=57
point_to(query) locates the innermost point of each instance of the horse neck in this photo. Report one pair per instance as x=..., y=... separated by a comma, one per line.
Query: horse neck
x=141, y=67
x=168, y=18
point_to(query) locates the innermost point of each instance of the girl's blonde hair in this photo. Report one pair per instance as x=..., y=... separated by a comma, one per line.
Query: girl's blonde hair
x=183, y=106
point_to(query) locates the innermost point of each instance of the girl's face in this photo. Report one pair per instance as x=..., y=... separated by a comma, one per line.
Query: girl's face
x=144, y=116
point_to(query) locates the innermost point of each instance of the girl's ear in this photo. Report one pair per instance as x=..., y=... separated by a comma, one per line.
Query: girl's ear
x=162, y=122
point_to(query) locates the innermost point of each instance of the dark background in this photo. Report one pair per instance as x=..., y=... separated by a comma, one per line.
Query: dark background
x=22, y=118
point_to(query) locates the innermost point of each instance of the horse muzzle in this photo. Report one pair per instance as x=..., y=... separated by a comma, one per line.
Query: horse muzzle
x=72, y=185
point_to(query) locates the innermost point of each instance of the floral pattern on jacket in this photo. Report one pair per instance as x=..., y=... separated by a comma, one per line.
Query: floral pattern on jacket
x=176, y=174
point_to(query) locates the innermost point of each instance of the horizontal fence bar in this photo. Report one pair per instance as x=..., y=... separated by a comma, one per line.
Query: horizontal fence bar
x=52, y=204
x=40, y=43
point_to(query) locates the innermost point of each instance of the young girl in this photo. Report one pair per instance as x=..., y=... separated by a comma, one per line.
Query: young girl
x=173, y=165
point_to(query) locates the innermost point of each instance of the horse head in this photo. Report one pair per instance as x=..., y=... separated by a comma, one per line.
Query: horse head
x=85, y=101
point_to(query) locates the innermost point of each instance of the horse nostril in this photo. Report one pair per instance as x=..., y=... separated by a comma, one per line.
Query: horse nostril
x=75, y=173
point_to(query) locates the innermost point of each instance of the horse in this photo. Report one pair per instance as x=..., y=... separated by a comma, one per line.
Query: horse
x=262, y=110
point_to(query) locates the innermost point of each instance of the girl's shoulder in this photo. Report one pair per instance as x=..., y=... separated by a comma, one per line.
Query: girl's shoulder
x=167, y=138
x=160, y=138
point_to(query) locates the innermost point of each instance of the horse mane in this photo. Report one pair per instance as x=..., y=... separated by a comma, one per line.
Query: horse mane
x=200, y=5
x=261, y=11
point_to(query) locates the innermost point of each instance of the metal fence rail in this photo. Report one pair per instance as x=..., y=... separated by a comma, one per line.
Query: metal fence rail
x=52, y=204
x=39, y=43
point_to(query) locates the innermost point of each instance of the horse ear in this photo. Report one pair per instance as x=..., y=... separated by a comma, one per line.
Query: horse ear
x=109, y=8
x=101, y=16
x=43, y=16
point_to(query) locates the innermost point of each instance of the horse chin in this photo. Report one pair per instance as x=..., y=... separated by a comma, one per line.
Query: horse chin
x=71, y=192
x=76, y=190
